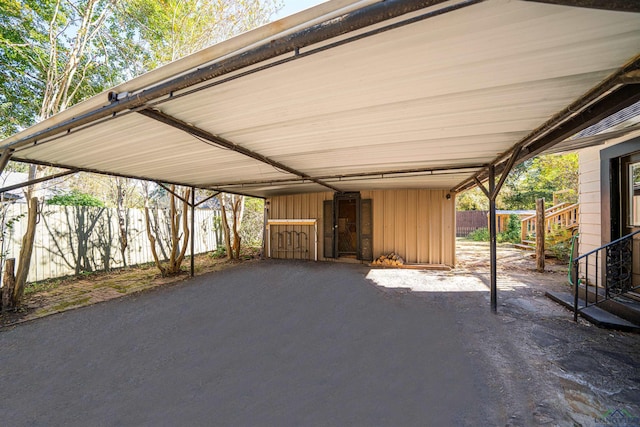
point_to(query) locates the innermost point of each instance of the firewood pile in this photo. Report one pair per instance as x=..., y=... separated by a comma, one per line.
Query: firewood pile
x=390, y=260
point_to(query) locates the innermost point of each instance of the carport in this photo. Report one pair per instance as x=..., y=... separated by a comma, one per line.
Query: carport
x=361, y=95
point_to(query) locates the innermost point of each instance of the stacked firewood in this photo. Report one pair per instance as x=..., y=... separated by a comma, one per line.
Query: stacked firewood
x=391, y=259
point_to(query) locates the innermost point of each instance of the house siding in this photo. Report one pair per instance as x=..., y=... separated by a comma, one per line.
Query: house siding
x=589, y=210
x=590, y=199
x=419, y=225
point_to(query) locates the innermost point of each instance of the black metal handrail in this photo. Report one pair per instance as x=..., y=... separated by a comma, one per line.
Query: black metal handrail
x=618, y=273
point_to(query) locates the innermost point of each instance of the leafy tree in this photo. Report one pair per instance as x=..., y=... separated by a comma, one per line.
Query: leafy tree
x=252, y=222
x=472, y=200
x=539, y=178
x=172, y=29
x=75, y=198
x=55, y=53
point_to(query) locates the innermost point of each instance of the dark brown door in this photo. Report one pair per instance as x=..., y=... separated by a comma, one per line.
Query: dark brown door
x=347, y=219
x=328, y=230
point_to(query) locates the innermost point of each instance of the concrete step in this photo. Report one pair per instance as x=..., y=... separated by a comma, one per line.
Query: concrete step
x=594, y=314
x=626, y=306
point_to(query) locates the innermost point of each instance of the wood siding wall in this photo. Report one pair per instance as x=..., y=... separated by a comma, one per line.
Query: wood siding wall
x=589, y=208
x=589, y=199
x=419, y=225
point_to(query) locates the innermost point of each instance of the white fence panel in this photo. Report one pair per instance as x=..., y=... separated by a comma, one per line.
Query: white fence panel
x=71, y=239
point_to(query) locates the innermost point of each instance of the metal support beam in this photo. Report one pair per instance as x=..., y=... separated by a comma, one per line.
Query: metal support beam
x=4, y=158
x=224, y=143
x=207, y=198
x=507, y=169
x=600, y=110
x=395, y=173
x=170, y=191
x=632, y=77
x=565, y=124
x=35, y=181
x=193, y=230
x=122, y=175
x=493, y=239
x=615, y=5
x=482, y=187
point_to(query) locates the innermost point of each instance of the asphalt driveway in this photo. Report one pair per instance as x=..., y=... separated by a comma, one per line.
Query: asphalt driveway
x=282, y=343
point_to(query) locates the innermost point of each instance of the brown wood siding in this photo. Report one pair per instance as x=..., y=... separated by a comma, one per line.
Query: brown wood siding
x=417, y=224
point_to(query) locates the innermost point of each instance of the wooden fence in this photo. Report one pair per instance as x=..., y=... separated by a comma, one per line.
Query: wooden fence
x=73, y=239
x=469, y=221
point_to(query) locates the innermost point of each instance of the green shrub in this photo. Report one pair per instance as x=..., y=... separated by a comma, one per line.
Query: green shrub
x=75, y=198
x=558, y=242
x=512, y=233
x=479, y=235
x=220, y=252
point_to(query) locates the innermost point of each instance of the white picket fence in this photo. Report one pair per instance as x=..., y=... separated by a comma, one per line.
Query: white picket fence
x=55, y=252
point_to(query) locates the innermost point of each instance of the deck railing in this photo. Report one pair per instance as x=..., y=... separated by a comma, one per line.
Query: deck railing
x=562, y=215
x=617, y=276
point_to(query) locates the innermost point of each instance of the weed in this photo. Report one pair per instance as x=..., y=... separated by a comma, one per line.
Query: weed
x=43, y=286
x=71, y=303
x=220, y=252
x=479, y=235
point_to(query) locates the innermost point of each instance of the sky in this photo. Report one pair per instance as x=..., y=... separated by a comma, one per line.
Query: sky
x=293, y=6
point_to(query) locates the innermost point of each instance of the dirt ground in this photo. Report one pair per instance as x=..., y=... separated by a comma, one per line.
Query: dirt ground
x=550, y=370
x=582, y=375
x=59, y=295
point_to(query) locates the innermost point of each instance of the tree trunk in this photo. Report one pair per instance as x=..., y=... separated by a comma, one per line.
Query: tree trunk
x=236, y=221
x=122, y=220
x=540, y=231
x=26, y=250
x=152, y=242
x=175, y=230
x=82, y=238
x=8, y=284
x=185, y=227
x=178, y=230
x=225, y=227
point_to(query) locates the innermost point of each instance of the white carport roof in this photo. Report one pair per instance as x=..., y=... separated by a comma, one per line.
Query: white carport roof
x=354, y=95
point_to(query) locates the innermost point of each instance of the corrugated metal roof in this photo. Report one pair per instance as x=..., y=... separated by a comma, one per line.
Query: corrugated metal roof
x=453, y=91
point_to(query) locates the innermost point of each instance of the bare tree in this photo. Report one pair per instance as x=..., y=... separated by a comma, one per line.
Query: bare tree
x=180, y=233
x=232, y=210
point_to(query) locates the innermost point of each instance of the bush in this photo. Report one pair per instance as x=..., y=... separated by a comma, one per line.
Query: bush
x=479, y=235
x=252, y=222
x=558, y=242
x=75, y=198
x=512, y=233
